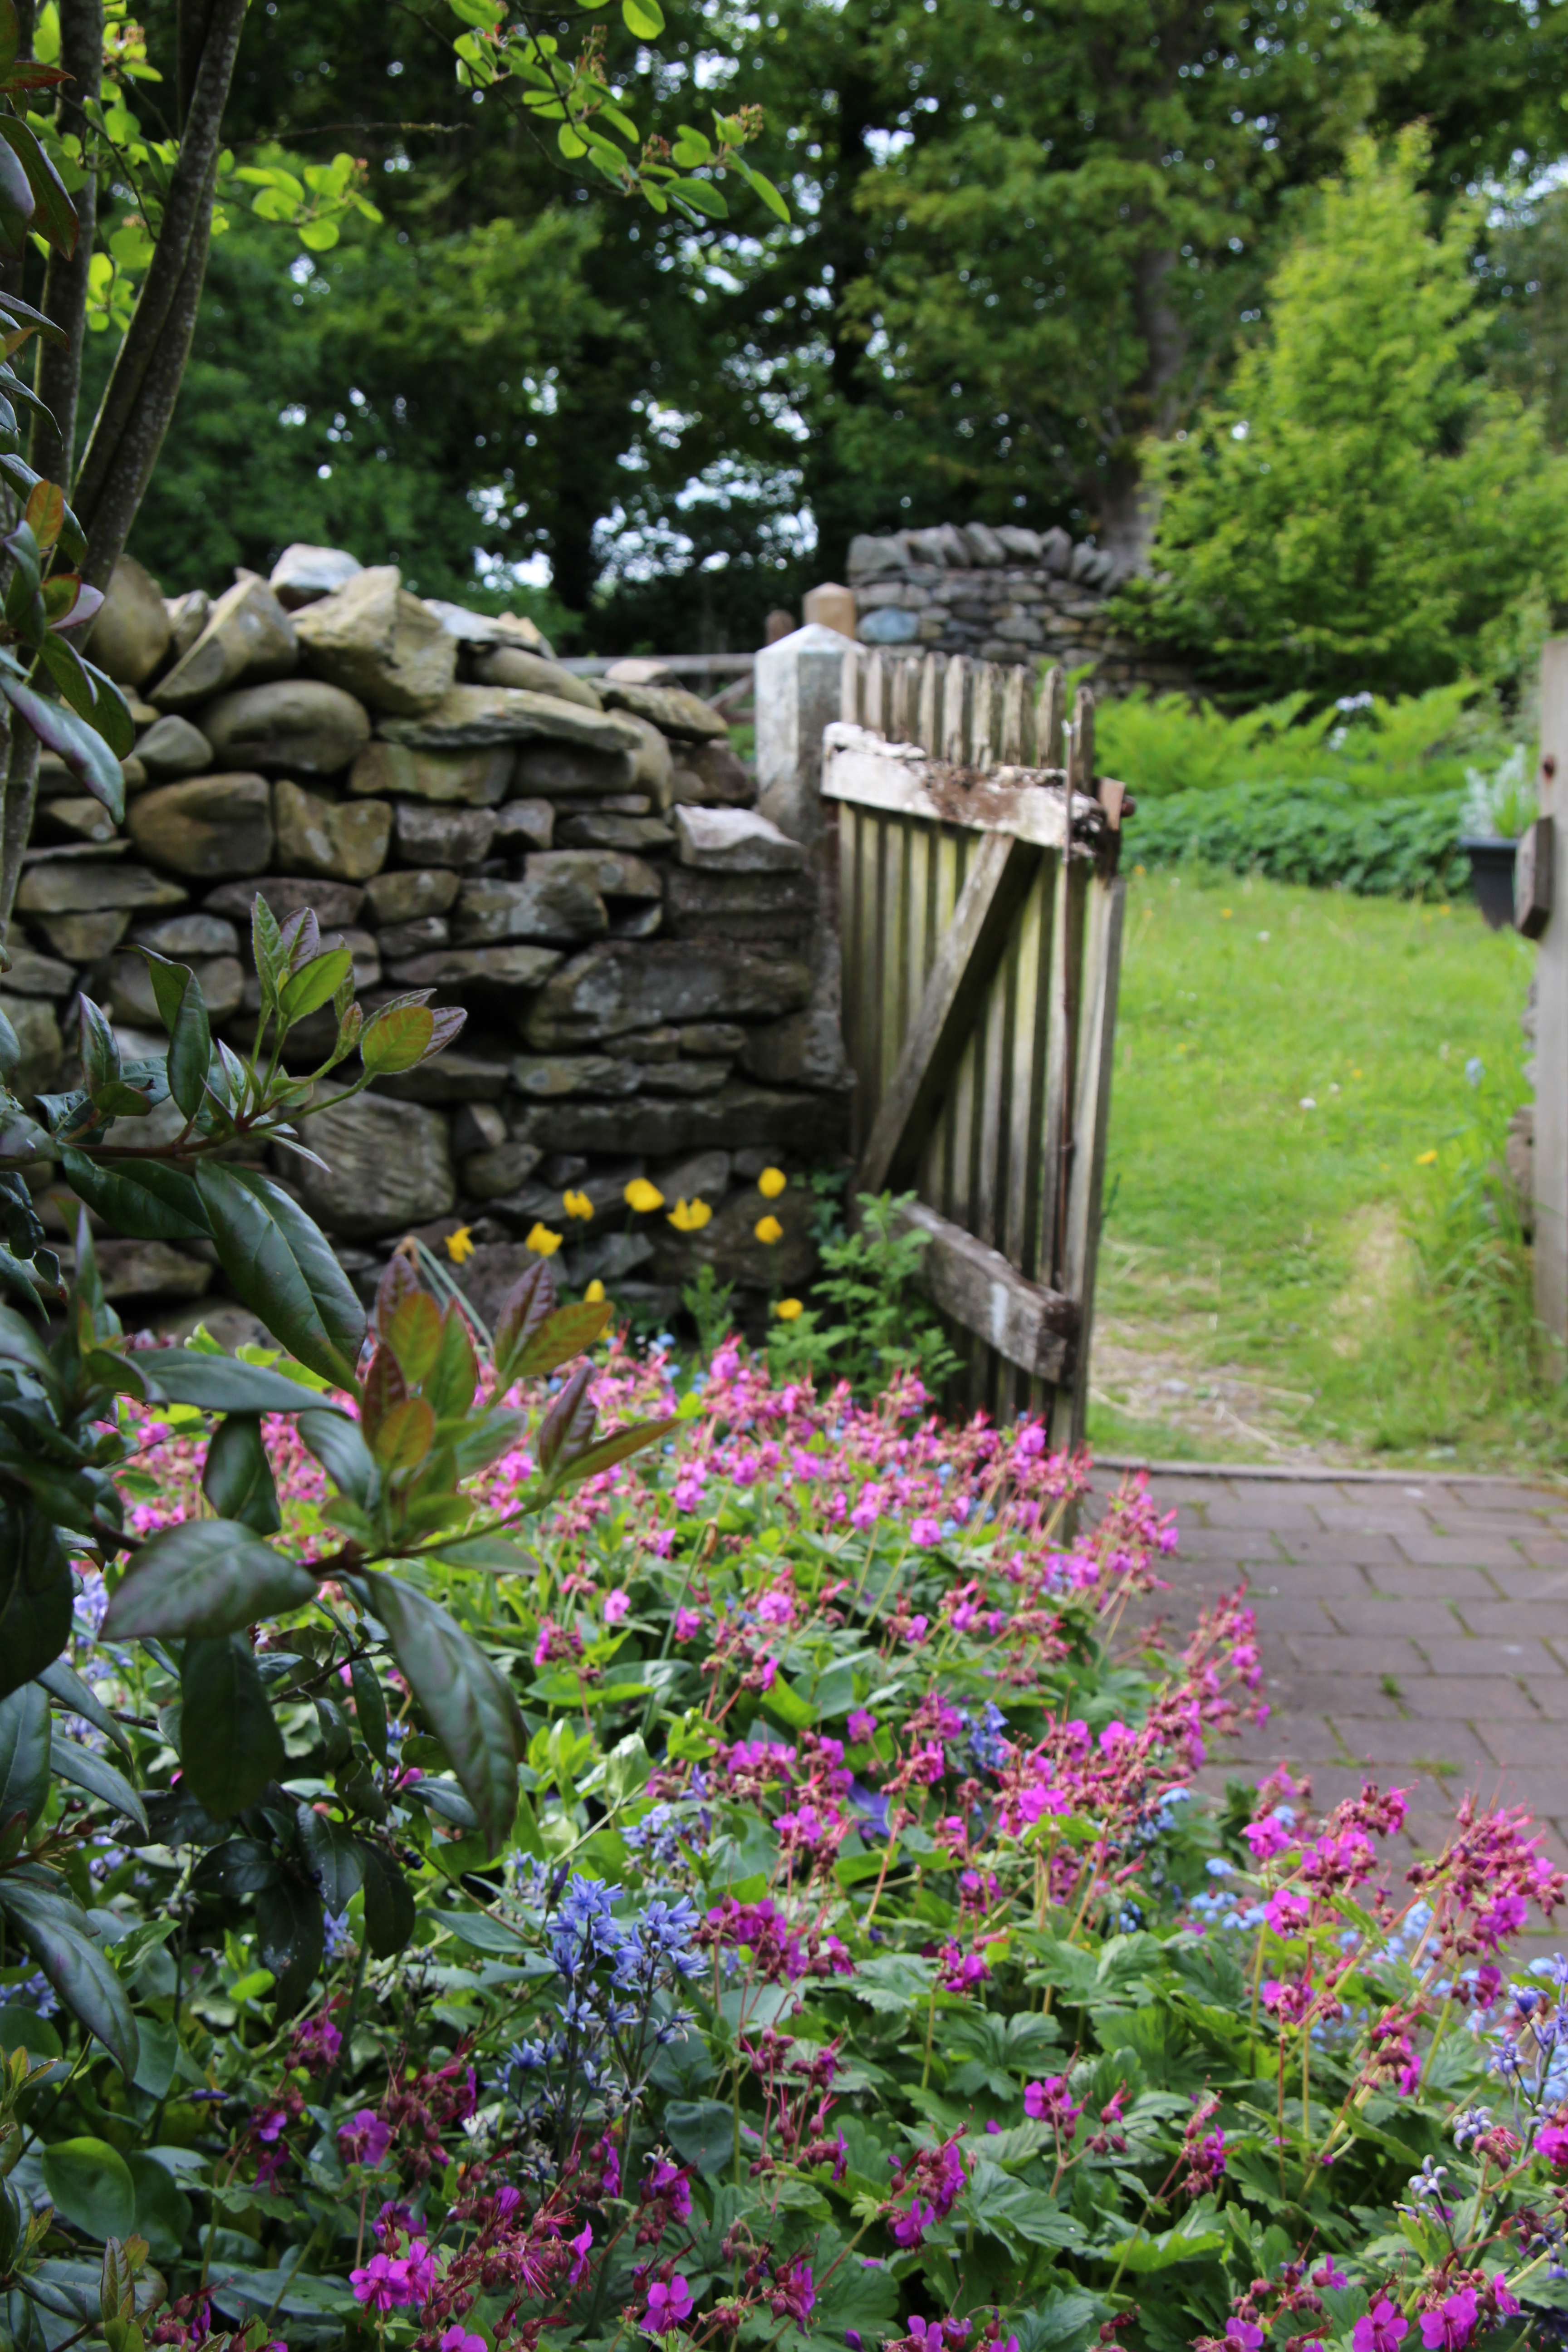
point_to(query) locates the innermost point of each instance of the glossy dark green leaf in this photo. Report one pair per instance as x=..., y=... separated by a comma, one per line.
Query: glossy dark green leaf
x=236, y=1477
x=290, y=1934
x=24, y=1753
x=89, y=2183
x=138, y=1198
x=334, y=1856
x=190, y=1049
x=282, y=1268
x=220, y=1383
x=16, y=206
x=66, y=1686
x=469, y=1706
x=35, y=1623
x=336, y=1442
x=230, y=1746
x=55, y=1932
x=98, y=1776
x=205, y=1577
x=239, y=1866
x=54, y=214
x=370, y=1708
x=23, y=1227
x=389, y=1915
x=162, y=2209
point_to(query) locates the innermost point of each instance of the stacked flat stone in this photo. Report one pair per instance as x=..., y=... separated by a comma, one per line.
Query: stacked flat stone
x=582, y=865
x=1007, y=595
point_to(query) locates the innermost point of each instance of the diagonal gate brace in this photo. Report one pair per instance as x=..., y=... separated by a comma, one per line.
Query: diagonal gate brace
x=998, y=882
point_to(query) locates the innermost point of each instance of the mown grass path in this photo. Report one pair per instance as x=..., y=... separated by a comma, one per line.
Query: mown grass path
x=1289, y=1062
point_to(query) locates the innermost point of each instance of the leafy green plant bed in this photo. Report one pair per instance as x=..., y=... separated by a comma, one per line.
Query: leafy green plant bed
x=800, y=1925
x=1318, y=832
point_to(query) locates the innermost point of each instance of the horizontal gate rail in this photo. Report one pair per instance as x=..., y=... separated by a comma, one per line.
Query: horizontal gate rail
x=980, y=925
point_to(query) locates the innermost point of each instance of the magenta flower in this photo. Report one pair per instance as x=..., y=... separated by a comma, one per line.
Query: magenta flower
x=383, y=2284
x=1450, y=2328
x=581, y=2246
x=364, y=2138
x=1243, y=2335
x=918, y=1628
x=1267, y=1837
x=615, y=1607
x=688, y=1624
x=860, y=1726
x=925, y=1532
x=666, y=2306
x=457, y=2339
x=269, y=2122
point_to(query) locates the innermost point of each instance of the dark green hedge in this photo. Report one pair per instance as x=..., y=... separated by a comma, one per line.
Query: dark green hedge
x=1395, y=848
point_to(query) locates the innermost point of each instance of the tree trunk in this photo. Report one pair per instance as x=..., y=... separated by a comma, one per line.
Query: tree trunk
x=52, y=445
x=1125, y=508
x=145, y=381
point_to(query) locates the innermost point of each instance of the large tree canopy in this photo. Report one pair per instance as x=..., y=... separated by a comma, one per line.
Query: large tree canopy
x=1025, y=236
x=1360, y=506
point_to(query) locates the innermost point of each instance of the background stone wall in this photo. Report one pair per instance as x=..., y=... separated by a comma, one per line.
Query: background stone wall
x=582, y=866
x=1007, y=595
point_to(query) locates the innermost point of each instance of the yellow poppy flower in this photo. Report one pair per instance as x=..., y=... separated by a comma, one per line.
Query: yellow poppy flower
x=770, y=1183
x=577, y=1204
x=789, y=1310
x=689, y=1216
x=1425, y=1159
x=459, y=1245
x=543, y=1242
x=594, y=1294
x=768, y=1229
x=642, y=1196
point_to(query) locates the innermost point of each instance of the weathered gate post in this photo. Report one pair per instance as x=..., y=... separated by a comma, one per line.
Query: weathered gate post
x=1549, y=1155
x=799, y=691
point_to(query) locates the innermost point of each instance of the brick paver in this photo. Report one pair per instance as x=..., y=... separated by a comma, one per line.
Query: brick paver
x=1413, y=1630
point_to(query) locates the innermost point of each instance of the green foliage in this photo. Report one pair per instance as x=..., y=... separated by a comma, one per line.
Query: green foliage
x=707, y=1301
x=872, y=1322
x=1318, y=832
x=1359, y=508
x=1381, y=749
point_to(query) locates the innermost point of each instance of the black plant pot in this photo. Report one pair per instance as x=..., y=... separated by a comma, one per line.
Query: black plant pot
x=1491, y=878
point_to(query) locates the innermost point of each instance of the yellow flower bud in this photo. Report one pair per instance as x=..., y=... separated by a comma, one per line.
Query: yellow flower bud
x=768, y=1229
x=771, y=1182
x=789, y=1310
x=543, y=1242
x=642, y=1196
x=460, y=1244
x=594, y=1295
x=691, y=1216
x=577, y=1204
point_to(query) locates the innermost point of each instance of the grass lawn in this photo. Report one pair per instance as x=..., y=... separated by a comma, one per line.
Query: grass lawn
x=1288, y=1061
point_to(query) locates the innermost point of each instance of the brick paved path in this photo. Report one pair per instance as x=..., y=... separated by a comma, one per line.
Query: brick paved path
x=1412, y=1628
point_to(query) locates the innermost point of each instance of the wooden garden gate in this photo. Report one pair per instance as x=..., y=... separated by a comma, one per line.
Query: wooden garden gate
x=980, y=921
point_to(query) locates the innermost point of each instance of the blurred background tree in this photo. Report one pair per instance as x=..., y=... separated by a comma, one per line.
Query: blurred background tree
x=1023, y=241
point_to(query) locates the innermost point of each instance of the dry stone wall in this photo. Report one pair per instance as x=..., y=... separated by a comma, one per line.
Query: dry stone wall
x=1007, y=595
x=584, y=866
